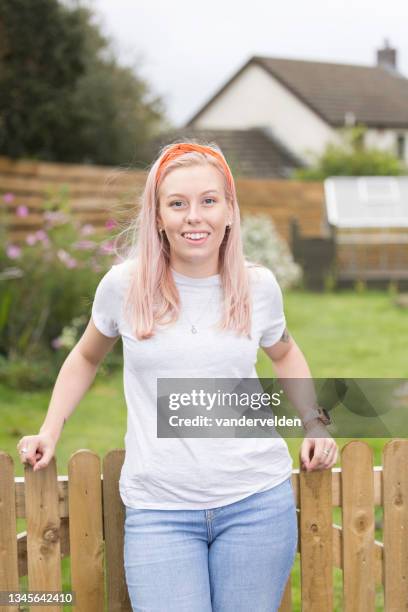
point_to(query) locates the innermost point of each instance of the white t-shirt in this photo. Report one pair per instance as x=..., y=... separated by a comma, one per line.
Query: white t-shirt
x=191, y=473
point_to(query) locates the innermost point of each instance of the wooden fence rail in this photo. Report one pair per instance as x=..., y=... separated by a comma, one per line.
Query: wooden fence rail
x=82, y=516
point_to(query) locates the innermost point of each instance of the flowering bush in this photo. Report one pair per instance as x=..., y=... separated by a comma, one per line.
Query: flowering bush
x=262, y=244
x=47, y=283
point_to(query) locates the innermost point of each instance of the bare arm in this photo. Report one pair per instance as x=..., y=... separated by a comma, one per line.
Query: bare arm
x=74, y=379
x=290, y=363
x=318, y=451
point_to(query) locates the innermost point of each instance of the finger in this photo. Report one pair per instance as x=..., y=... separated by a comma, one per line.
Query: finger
x=29, y=457
x=44, y=461
x=332, y=458
x=21, y=444
x=319, y=456
x=315, y=464
x=306, y=447
x=23, y=456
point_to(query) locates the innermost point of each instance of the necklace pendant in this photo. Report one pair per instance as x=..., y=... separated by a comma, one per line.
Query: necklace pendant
x=194, y=329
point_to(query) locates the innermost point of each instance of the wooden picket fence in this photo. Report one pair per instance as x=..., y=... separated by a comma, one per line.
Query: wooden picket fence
x=82, y=515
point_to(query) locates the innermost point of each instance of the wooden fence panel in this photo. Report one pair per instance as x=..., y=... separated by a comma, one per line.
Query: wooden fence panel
x=9, y=580
x=32, y=185
x=316, y=541
x=395, y=460
x=114, y=518
x=357, y=487
x=31, y=182
x=358, y=527
x=43, y=531
x=60, y=171
x=86, y=531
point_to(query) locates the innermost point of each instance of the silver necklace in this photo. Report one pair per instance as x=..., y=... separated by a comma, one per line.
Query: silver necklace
x=193, y=328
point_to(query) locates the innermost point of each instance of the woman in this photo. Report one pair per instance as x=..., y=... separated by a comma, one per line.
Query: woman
x=210, y=521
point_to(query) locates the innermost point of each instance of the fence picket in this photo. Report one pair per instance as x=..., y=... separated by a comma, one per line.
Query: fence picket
x=114, y=518
x=43, y=531
x=395, y=459
x=316, y=541
x=85, y=531
x=358, y=527
x=9, y=580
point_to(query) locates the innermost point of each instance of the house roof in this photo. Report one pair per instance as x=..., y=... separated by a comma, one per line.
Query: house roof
x=375, y=95
x=251, y=153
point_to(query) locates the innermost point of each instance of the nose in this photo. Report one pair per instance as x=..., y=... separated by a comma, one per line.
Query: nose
x=193, y=214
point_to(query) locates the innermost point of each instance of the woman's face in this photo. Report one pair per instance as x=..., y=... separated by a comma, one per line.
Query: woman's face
x=194, y=213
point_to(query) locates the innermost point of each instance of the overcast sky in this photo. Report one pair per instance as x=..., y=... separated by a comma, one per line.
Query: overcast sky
x=187, y=49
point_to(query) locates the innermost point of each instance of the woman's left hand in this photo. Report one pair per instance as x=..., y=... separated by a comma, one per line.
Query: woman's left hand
x=312, y=452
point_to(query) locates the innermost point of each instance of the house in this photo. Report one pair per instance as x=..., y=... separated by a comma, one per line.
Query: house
x=250, y=152
x=299, y=105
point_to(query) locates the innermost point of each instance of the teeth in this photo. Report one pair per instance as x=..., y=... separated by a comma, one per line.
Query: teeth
x=195, y=236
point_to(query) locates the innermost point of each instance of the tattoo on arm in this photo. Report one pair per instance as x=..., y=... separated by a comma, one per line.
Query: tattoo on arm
x=285, y=336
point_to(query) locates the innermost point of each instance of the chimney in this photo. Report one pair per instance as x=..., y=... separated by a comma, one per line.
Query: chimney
x=387, y=57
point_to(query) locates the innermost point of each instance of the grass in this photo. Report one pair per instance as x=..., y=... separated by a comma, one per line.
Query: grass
x=341, y=335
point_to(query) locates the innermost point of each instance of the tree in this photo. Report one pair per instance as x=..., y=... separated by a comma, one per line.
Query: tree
x=64, y=96
x=119, y=113
x=351, y=158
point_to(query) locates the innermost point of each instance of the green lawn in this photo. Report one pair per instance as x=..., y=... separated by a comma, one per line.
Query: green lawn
x=341, y=335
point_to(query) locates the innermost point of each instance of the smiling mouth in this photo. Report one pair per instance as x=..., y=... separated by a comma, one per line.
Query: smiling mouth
x=195, y=237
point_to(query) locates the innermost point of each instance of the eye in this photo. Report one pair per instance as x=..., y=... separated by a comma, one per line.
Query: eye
x=176, y=202
x=209, y=199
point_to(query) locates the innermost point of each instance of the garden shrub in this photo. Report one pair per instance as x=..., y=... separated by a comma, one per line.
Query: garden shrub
x=47, y=284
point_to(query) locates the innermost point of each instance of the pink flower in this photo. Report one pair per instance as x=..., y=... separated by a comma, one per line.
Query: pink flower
x=110, y=224
x=84, y=245
x=53, y=217
x=8, y=198
x=107, y=247
x=41, y=235
x=56, y=343
x=67, y=260
x=13, y=251
x=31, y=239
x=87, y=229
x=22, y=211
x=63, y=255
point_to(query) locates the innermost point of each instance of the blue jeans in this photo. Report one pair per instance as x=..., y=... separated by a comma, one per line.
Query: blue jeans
x=233, y=558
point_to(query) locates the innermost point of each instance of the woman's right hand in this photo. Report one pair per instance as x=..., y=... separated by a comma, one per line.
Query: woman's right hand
x=40, y=450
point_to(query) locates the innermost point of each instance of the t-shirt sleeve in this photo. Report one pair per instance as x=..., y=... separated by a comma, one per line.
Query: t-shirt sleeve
x=105, y=305
x=275, y=321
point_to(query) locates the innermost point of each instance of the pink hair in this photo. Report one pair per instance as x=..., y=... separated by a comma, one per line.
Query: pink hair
x=152, y=297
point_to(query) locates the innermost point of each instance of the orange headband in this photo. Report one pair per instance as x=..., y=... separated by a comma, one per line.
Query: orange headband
x=185, y=147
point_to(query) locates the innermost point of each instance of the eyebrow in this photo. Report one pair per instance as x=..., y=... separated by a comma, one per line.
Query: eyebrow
x=180, y=195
